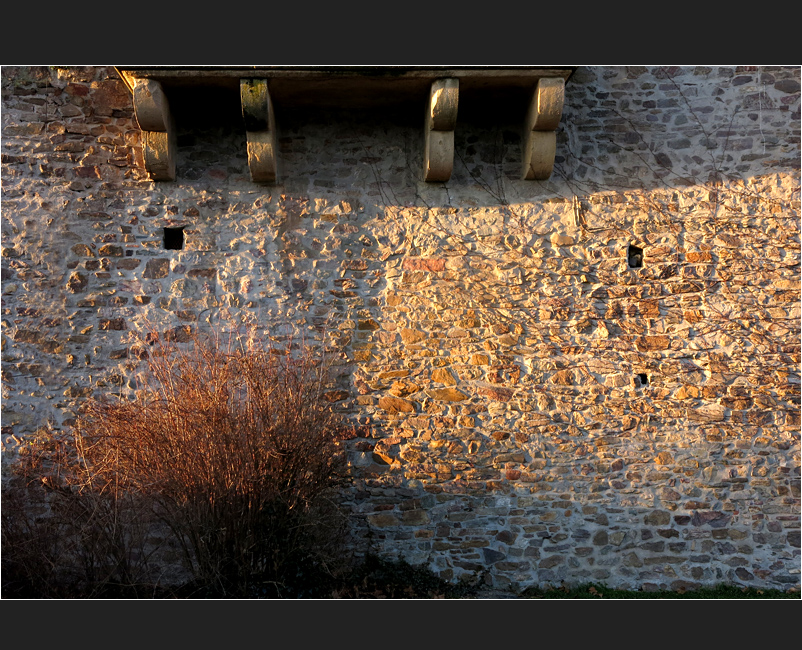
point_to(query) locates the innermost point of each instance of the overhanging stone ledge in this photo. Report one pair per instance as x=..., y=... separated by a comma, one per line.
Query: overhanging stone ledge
x=260, y=87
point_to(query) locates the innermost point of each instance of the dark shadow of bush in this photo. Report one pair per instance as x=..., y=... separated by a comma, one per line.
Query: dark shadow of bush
x=231, y=450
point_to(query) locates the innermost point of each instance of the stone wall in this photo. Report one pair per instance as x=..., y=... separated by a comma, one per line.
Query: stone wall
x=528, y=401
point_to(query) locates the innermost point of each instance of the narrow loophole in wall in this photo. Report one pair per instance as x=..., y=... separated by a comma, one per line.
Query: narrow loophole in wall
x=173, y=239
x=643, y=378
x=634, y=257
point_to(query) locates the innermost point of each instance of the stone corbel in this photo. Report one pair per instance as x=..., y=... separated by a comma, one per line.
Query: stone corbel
x=540, y=139
x=260, y=128
x=152, y=112
x=441, y=118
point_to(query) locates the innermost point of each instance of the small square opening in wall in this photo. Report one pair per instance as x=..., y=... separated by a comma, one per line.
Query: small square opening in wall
x=634, y=257
x=643, y=378
x=174, y=239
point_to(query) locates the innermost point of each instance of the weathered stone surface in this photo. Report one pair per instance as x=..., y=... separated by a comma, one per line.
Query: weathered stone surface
x=551, y=561
x=497, y=393
x=179, y=334
x=441, y=117
x=112, y=324
x=404, y=388
x=424, y=264
x=563, y=377
x=657, y=518
x=111, y=250
x=108, y=96
x=410, y=336
x=710, y=518
x=77, y=282
x=443, y=376
x=446, y=394
x=396, y=405
x=368, y=324
x=383, y=520
x=707, y=413
x=82, y=250
x=648, y=343
x=520, y=398
x=157, y=268
x=415, y=517
x=492, y=556
x=558, y=239
x=151, y=106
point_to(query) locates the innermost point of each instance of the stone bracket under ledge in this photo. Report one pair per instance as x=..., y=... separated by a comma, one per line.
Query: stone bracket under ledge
x=441, y=118
x=539, y=144
x=153, y=115
x=376, y=88
x=260, y=129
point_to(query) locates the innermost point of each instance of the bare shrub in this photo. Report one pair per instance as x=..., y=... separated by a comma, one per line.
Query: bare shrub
x=65, y=536
x=233, y=449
